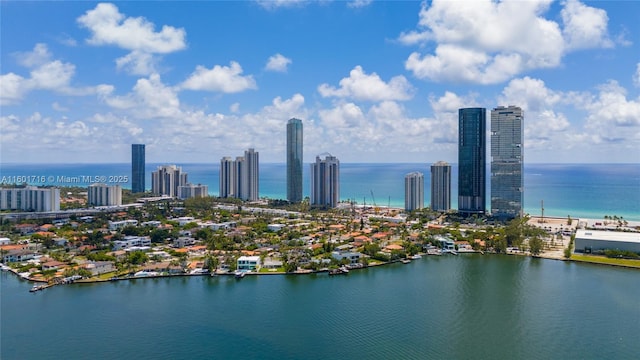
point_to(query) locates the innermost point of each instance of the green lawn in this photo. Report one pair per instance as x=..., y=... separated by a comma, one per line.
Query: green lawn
x=606, y=260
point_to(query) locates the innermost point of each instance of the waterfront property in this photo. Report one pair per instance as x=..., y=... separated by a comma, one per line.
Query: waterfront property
x=325, y=181
x=594, y=241
x=248, y=263
x=137, y=168
x=441, y=186
x=413, y=191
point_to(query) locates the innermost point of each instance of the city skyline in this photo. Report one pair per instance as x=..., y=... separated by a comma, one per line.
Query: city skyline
x=472, y=155
x=195, y=82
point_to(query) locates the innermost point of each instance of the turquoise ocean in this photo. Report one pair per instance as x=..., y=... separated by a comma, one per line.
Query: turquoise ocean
x=579, y=190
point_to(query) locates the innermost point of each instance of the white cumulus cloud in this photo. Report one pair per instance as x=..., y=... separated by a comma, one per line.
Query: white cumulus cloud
x=489, y=42
x=110, y=27
x=369, y=87
x=278, y=63
x=226, y=79
x=636, y=76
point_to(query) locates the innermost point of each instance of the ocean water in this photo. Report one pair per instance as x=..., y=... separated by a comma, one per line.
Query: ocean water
x=579, y=190
x=446, y=307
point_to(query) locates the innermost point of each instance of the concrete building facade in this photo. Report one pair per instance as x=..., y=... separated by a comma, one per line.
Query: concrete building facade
x=104, y=195
x=413, y=191
x=325, y=182
x=30, y=198
x=167, y=179
x=441, y=186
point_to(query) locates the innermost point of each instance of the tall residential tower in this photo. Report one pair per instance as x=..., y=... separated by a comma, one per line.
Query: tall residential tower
x=413, y=191
x=507, y=186
x=137, y=168
x=166, y=180
x=239, y=178
x=294, y=160
x=440, y=186
x=325, y=182
x=472, y=124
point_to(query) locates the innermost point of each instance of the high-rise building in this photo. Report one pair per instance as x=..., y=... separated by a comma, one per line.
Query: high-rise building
x=440, y=186
x=240, y=178
x=325, y=181
x=507, y=138
x=472, y=123
x=294, y=160
x=227, y=178
x=413, y=191
x=30, y=198
x=104, y=195
x=190, y=191
x=249, y=177
x=137, y=168
x=167, y=179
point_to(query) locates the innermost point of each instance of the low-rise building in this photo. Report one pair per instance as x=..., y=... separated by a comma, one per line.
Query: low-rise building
x=248, y=263
x=18, y=255
x=131, y=241
x=115, y=225
x=99, y=267
x=354, y=257
x=595, y=241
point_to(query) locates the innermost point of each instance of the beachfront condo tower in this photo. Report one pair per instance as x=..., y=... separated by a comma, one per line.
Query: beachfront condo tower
x=294, y=160
x=104, y=195
x=472, y=124
x=413, y=191
x=507, y=186
x=440, y=186
x=249, y=176
x=325, y=181
x=239, y=178
x=166, y=180
x=137, y=168
x=227, y=178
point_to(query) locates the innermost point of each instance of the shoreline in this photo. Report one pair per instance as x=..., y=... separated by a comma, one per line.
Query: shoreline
x=44, y=284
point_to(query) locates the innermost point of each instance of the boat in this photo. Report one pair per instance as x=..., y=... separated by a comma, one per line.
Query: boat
x=339, y=271
x=145, y=274
x=4, y=267
x=416, y=257
x=405, y=261
x=344, y=269
x=239, y=274
x=36, y=288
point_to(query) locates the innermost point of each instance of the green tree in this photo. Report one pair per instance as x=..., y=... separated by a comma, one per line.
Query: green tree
x=535, y=245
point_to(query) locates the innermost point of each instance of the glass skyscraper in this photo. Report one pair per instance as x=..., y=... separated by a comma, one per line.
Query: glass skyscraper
x=294, y=160
x=472, y=124
x=137, y=168
x=507, y=185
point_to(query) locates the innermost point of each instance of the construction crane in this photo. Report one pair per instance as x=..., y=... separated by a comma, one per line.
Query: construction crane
x=375, y=206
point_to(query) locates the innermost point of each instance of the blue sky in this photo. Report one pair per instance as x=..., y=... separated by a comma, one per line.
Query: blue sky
x=372, y=81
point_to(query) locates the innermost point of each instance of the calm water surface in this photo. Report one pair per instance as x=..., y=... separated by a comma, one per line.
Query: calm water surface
x=464, y=307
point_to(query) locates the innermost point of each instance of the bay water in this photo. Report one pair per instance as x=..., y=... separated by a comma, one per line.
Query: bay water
x=449, y=307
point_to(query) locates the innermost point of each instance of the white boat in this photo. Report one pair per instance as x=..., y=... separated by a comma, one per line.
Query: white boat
x=239, y=274
x=199, y=271
x=4, y=267
x=344, y=270
x=405, y=261
x=145, y=274
x=416, y=257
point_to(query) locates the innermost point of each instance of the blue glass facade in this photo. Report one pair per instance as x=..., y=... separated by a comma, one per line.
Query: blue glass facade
x=137, y=168
x=472, y=124
x=294, y=160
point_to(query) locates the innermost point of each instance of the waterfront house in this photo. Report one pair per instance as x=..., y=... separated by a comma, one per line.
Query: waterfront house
x=99, y=267
x=53, y=265
x=271, y=263
x=352, y=256
x=131, y=241
x=18, y=255
x=248, y=263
